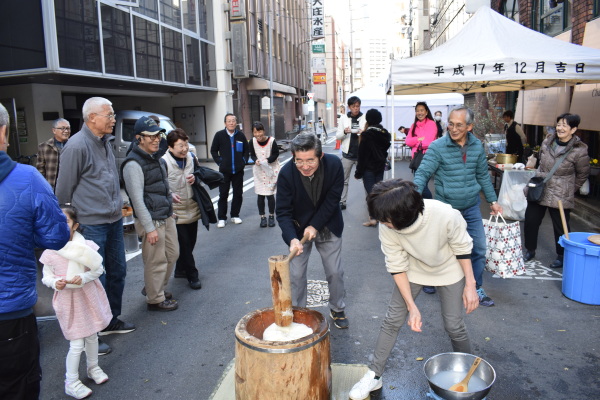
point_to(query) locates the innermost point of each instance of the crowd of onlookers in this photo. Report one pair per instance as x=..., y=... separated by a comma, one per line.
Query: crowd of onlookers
x=73, y=208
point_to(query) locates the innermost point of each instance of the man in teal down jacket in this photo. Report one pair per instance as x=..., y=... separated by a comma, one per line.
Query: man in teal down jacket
x=459, y=163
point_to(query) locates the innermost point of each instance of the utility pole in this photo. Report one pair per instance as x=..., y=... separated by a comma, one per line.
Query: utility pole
x=410, y=29
x=272, y=106
x=351, y=50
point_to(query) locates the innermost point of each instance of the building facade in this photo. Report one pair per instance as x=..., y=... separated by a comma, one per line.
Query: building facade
x=159, y=56
x=286, y=23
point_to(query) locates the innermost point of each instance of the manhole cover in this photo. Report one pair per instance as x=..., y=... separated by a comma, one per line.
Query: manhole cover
x=318, y=294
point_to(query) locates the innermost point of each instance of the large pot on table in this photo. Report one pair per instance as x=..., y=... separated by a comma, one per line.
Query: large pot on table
x=444, y=370
x=506, y=158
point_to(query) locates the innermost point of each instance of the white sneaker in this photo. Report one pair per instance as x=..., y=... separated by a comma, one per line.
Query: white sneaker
x=221, y=223
x=236, y=220
x=97, y=375
x=77, y=390
x=366, y=385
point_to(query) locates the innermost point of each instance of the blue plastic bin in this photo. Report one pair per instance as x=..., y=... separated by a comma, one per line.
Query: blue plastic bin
x=581, y=268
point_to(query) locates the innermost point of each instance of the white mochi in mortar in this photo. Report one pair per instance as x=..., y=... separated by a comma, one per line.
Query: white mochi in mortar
x=276, y=333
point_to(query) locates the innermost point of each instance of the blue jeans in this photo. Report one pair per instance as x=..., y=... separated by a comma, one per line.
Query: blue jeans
x=109, y=237
x=370, y=178
x=472, y=216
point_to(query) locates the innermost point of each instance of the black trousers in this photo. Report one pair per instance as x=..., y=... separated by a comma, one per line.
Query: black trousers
x=260, y=201
x=187, y=235
x=20, y=371
x=534, y=214
x=237, y=183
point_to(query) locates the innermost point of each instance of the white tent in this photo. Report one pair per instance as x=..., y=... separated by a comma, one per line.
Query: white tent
x=374, y=96
x=492, y=53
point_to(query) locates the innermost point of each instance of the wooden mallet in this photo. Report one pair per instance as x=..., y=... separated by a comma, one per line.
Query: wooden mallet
x=281, y=288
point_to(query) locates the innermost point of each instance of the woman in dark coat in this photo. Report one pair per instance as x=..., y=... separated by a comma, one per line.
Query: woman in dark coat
x=568, y=178
x=372, y=154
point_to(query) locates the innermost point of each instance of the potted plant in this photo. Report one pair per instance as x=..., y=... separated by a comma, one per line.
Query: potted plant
x=595, y=167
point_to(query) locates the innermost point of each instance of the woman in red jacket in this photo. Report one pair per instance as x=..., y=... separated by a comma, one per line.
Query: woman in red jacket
x=421, y=133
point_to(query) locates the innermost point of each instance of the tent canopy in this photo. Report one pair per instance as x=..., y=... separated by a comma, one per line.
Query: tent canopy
x=375, y=94
x=492, y=53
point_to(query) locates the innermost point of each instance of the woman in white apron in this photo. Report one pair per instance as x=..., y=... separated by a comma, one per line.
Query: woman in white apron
x=264, y=152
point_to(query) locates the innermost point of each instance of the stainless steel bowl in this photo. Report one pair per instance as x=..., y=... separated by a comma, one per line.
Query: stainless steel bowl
x=458, y=362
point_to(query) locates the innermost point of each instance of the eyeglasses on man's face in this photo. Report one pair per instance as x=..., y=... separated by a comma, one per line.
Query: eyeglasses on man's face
x=310, y=163
x=153, y=137
x=109, y=116
x=63, y=128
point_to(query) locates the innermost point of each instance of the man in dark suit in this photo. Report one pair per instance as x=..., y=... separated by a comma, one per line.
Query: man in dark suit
x=230, y=151
x=308, y=204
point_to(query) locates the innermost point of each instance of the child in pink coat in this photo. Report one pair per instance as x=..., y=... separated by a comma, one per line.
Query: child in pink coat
x=79, y=301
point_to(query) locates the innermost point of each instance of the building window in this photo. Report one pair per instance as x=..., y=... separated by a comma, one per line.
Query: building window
x=553, y=16
x=78, y=35
x=192, y=47
x=510, y=9
x=149, y=8
x=22, y=36
x=172, y=55
x=116, y=39
x=209, y=66
x=147, y=49
x=170, y=12
x=189, y=14
x=206, y=27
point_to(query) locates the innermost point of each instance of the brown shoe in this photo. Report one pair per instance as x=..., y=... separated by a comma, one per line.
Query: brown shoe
x=167, y=305
x=168, y=295
x=371, y=222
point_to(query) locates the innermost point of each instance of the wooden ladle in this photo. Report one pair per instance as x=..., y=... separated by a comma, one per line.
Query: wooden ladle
x=463, y=386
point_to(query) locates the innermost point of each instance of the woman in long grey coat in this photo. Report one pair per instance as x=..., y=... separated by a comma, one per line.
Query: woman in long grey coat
x=568, y=178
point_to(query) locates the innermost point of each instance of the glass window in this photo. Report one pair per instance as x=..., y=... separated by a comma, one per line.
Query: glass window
x=205, y=30
x=596, y=8
x=170, y=12
x=147, y=49
x=116, y=39
x=510, y=9
x=172, y=55
x=192, y=47
x=148, y=8
x=554, y=17
x=22, y=36
x=78, y=35
x=209, y=67
x=189, y=14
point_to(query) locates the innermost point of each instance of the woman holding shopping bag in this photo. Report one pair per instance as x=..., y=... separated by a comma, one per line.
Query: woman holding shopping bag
x=265, y=153
x=570, y=174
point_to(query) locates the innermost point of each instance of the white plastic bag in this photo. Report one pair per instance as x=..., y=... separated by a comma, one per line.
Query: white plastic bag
x=585, y=188
x=511, y=196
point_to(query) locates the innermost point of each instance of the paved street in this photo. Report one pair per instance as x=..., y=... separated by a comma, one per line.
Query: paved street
x=541, y=344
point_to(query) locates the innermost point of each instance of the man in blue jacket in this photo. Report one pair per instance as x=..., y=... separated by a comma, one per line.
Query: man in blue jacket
x=30, y=218
x=308, y=205
x=459, y=163
x=230, y=151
